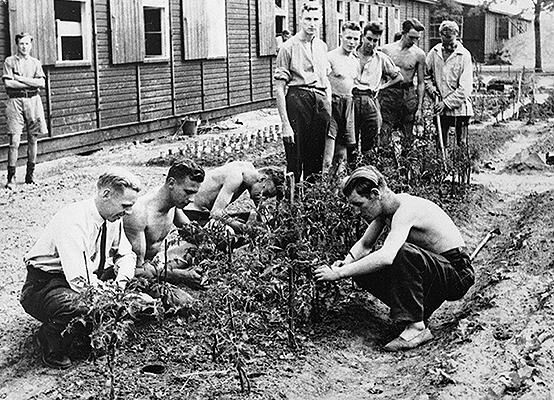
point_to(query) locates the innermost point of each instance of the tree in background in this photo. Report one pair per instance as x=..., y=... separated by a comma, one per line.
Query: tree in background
x=539, y=6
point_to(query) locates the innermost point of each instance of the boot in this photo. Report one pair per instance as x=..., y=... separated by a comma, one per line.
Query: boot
x=11, y=177
x=30, y=172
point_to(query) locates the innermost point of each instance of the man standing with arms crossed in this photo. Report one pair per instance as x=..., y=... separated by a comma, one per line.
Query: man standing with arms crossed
x=23, y=78
x=343, y=71
x=305, y=111
x=400, y=105
x=374, y=68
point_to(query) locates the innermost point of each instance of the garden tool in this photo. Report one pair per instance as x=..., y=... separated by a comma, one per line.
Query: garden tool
x=483, y=242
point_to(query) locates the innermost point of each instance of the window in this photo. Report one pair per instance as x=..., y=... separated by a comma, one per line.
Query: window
x=340, y=7
x=204, y=29
x=281, y=16
x=502, y=28
x=362, y=11
x=73, y=31
x=380, y=12
x=156, y=29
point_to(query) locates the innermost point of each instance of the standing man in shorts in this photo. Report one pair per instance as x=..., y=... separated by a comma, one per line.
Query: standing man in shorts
x=305, y=111
x=343, y=71
x=375, y=68
x=23, y=78
x=402, y=104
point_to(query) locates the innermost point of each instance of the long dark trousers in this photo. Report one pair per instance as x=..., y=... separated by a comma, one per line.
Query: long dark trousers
x=48, y=298
x=309, y=114
x=419, y=281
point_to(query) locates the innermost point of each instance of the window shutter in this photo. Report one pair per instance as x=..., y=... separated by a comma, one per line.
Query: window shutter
x=331, y=24
x=37, y=18
x=127, y=31
x=390, y=24
x=354, y=14
x=266, y=28
x=195, y=33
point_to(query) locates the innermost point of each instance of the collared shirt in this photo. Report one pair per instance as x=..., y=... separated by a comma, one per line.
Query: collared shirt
x=28, y=67
x=301, y=63
x=70, y=243
x=453, y=79
x=377, y=67
x=343, y=70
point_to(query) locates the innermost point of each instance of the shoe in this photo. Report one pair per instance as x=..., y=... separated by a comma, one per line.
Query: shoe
x=402, y=344
x=29, y=173
x=52, y=359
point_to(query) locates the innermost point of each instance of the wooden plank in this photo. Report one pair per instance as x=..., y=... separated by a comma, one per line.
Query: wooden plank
x=195, y=35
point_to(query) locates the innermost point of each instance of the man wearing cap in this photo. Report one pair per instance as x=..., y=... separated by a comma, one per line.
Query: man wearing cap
x=376, y=72
x=422, y=261
x=449, y=81
x=305, y=111
x=78, y=247
x=23, y=78
x=402, y=103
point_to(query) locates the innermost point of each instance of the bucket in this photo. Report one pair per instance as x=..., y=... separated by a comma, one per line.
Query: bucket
x=190, y=127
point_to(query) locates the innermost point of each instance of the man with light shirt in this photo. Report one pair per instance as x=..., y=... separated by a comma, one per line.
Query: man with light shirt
x=76, y=249
x=305, y=111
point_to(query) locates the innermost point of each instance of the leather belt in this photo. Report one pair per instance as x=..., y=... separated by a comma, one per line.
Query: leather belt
x=366, y=92
x=313, y=89
x=21, y=93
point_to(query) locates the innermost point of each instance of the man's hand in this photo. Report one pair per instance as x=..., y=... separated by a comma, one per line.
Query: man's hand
x=288, y=134
x=439, y=107
x=327, y=273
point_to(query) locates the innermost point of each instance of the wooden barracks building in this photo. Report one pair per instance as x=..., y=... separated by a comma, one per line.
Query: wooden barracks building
x=121, y=70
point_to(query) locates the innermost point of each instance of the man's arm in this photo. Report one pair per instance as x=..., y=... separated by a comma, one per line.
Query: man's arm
x=465, y=85
x=231, y=185
x=288, y=133
x=429, y=76
x=135, y=231
x=37, y=83
x=125, y=259
x=391, y=71
x=420, y=84
x=401, y=223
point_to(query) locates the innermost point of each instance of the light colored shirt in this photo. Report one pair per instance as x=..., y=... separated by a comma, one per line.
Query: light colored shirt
x=301, y=63
x=70, y=243
x=378, y=67
x=343, y=70
x=453, y=79
x=29, y=67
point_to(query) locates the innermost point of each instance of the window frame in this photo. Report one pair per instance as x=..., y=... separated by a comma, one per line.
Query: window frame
x=163, y=5
x=86, y=34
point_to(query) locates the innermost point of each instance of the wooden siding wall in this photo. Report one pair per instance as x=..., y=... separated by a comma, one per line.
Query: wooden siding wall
x=90, y=104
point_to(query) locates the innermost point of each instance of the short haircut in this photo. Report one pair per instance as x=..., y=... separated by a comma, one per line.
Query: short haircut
x=277, y=176
x=118, y=179
x=449, y=25
x=310, y=5
x=363, y=180
x=351, y=25
x=397, y=36
x=374, y=27
x=21, y=35
x=412, y=23
x=186, y=169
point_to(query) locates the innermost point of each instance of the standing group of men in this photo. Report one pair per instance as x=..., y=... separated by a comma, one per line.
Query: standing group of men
x=358, y=97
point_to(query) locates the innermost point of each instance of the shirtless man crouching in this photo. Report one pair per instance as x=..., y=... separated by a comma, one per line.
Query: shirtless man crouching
x=421, y=264
x=401, y=106
x=155, y=214
x=225, y=184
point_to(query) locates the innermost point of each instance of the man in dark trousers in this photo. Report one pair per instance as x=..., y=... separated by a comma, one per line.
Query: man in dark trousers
x=421, y=264
x=305, y=111
x=23, y=78
x=76, y=248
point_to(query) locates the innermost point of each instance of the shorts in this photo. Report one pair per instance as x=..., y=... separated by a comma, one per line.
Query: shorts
x=24, y=113
x=342, y=122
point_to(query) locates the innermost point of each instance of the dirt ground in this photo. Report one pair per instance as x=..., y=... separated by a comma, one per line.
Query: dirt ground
x=496, y=343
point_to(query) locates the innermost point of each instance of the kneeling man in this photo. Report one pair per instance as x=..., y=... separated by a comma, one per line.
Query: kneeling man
x=420, y=265
x=78, y=246
x=155, y=214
